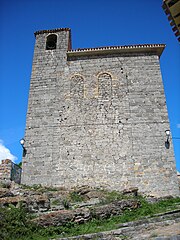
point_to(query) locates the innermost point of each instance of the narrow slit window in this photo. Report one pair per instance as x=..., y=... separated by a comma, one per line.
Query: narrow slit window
x=51, y=42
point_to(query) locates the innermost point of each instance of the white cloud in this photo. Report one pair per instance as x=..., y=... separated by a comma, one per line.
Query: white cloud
x=178, y=125
x=5, y=153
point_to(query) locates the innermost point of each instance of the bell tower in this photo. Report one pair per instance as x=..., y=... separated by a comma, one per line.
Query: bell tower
x=50, y=58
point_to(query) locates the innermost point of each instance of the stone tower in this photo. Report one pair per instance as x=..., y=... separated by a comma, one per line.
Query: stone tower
x=97, y=117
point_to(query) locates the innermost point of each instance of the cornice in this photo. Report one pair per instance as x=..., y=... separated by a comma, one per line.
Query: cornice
x=52, y=30
x=141, y=48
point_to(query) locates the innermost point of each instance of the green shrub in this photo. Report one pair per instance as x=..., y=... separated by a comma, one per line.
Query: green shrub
x=20, y=164
x=14, y=223
x=39, y=188
x=111, y=196
x=56, y=202
x=66, y=203
x=75, y=197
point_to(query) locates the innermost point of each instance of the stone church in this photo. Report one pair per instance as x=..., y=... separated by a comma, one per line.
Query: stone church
x=97, y=117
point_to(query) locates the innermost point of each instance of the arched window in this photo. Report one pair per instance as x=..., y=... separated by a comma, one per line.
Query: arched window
x=51, y=42
x=105, y=85
x=77, y=86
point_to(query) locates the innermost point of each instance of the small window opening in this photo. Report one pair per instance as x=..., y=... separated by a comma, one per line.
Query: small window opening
x=51, y=42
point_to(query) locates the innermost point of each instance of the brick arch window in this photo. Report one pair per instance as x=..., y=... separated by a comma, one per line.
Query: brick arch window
x=51, y=42
x=77, y=86
x=104, y=85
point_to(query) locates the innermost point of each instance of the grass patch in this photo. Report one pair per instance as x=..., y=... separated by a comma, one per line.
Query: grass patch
x=109, y=197
x=39, y=188
x=75, y=197
x=56, y=202
x=146, y=209
x=66, y=203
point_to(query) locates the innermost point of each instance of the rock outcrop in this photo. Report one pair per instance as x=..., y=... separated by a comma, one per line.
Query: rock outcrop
x=59, y=207
x=162, y=227
x=82, y=215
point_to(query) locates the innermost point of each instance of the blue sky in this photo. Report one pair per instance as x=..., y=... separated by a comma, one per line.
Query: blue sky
x=93, y=23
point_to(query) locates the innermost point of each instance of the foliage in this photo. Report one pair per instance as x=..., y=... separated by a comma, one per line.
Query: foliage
x=14, y=223
x=75, y=197
x=39, y=188
x=20, y=164
x=56, y=202
x=66, y=203
x=111, y=196
x=146, y=209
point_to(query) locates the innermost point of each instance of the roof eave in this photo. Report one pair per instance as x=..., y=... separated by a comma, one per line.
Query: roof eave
x=154, y=49
x=51, y=31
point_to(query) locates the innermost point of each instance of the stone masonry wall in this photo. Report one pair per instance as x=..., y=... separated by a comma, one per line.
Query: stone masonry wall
x=97, y=121
x=10, y=171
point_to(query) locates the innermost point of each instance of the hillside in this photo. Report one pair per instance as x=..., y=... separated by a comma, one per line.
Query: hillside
x=85, y=213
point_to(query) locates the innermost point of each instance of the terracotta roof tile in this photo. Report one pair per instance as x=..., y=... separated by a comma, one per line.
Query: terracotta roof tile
x=118, y=47
x=52, y=30
x=112, y=49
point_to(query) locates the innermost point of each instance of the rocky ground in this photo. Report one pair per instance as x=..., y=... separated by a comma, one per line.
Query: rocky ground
x=57, y=207
x=163, y=227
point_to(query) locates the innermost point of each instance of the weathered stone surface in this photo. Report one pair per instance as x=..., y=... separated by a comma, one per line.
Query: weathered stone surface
x=115, y=208
x=43, y=199
x=130, y=192
x=5, y=201
x=82, y=215
x=89, y=203
x=83, y=190
x=9, y=171
x=4, y=192
x=164, y=227
x=57, y=218
x=40, y=203
x=98, y=120
x=33, y=203
x=62, y=217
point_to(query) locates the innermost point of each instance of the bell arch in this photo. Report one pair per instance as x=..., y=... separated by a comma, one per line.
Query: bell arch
x=51, y=42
